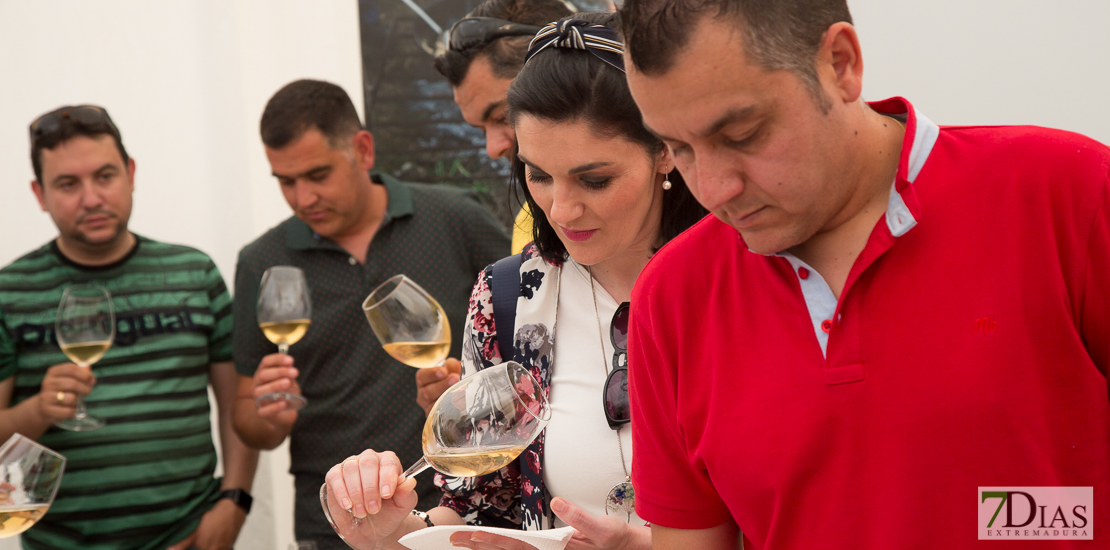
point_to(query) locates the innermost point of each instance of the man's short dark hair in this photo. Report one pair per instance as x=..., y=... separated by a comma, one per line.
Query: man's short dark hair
x=306, y=104
x=69, y=128
x=506, y=55
x=778, y=34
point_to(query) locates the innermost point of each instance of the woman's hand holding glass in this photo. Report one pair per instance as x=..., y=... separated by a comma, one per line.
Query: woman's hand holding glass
x=476, y=427
x=370, y=488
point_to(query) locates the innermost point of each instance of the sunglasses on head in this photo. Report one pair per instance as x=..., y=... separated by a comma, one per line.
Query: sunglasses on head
x=475, y=32
x=615, y=393
x=85, y=115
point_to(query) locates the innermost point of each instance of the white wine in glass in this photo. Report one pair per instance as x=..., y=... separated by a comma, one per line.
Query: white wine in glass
x=86, y=354
x=85, y=328
x=285, y=333
x=284, y=314
x=470, y=463
x=478, y=426
x=31, y=476
x=483, y=422
x=410, y=324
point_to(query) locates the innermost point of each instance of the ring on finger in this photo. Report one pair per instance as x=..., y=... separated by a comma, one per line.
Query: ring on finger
x=349, y=459
x=61, y=397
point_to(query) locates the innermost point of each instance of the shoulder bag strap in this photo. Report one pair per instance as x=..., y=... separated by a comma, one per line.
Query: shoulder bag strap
x=504, y=292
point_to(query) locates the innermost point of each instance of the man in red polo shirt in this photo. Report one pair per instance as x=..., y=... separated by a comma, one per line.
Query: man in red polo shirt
x=883, y=318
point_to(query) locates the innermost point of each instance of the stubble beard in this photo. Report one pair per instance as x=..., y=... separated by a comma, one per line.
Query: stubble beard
x=85, y=241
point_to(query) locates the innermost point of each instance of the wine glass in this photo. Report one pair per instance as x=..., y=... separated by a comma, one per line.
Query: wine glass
x=410, y=324
x=31, y=475
x=478, y=425
x=284, y=313
x=85, y=328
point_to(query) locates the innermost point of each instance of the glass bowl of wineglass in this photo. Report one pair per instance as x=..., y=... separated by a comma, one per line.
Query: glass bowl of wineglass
x=477, y=426
x=85, y=329
x=31, y=475
x=284, y=314
x=409, y=322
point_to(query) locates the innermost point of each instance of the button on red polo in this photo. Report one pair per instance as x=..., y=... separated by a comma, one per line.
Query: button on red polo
x=826, y=325
x=803, y=273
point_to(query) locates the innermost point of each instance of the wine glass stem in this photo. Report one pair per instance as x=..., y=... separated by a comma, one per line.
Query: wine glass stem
x=420, y=466
x=283, y=348
x=80, y=409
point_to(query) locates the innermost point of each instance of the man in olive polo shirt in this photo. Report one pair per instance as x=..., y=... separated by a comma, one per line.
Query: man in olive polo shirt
x=350, y=231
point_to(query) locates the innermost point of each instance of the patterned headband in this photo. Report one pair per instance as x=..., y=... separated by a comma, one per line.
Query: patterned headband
x=579, y=34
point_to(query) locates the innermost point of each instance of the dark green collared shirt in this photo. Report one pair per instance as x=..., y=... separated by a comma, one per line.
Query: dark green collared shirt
x=358, y=396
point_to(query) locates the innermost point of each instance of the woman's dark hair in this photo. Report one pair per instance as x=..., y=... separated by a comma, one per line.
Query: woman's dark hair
x=561, y=85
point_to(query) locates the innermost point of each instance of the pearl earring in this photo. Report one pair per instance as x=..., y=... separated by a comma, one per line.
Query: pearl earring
x=666, y=185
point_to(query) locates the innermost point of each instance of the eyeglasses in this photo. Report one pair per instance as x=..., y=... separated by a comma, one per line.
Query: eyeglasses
x=473, y=32
x=615, y=396
x=85, y=115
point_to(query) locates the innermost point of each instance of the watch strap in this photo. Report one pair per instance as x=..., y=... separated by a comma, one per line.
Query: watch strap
x=240, y=497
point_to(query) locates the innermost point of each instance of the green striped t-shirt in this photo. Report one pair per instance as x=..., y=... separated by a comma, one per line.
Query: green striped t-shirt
x=144, y=480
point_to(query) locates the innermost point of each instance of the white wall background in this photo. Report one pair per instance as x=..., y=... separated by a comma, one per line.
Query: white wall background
x=1042, y=62
x=186, y=81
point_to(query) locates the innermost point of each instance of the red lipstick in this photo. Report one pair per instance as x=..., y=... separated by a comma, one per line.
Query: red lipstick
x=577, y=236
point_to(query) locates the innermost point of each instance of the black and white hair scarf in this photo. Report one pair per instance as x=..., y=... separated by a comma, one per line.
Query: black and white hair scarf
x=579, y=34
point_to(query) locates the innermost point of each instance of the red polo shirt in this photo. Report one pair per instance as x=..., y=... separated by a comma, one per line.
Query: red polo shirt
x=968, y=349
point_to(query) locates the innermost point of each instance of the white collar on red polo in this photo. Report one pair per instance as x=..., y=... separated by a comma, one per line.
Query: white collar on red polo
x=900, y=218
x=903, y=209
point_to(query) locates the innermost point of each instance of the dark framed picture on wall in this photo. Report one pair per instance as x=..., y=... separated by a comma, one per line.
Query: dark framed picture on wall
x=419, y=132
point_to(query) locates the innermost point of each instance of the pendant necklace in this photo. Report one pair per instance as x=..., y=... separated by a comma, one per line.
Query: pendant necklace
x=622, y=497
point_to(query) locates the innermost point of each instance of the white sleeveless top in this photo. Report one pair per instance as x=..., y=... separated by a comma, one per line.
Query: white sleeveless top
x=582, y=461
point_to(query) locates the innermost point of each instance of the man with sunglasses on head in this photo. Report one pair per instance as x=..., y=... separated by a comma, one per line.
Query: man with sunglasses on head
x=483, y=53
x=144, y=479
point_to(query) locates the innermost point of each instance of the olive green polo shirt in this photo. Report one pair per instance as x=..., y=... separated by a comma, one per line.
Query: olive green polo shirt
x=358, y=396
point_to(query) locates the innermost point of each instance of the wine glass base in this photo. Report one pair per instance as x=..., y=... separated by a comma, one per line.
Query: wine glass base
x=293, y=402
x=83, y=424
x=350, y=528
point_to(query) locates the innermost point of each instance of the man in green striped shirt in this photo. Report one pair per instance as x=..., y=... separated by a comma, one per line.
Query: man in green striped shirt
x=145, y=479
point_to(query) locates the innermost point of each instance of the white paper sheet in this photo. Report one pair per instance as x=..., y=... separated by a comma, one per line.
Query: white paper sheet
x=439, y=537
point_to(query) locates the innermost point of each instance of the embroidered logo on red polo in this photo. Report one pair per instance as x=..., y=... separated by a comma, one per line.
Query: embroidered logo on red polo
x=1024, y=513
x=985, y=326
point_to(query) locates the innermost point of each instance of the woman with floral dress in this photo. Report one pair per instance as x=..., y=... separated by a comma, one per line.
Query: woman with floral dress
x=605, y=196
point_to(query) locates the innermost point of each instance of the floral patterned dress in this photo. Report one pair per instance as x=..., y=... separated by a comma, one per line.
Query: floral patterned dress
x=515, y=496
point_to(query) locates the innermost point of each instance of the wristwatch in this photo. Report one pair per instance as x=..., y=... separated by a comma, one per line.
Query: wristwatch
x=240, y=497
